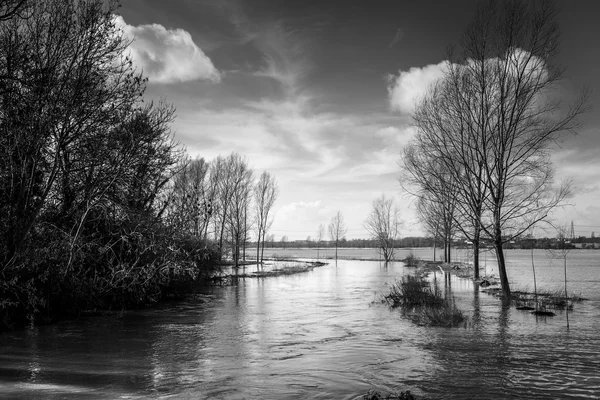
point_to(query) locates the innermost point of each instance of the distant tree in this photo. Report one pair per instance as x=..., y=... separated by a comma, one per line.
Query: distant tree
x=337, y=230
x=320, y=236
x=271, y=240
x=383, y=224
x=265, y=194
x=284, y=240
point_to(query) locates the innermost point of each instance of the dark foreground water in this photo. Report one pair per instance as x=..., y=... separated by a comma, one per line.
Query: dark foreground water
x=319, y=335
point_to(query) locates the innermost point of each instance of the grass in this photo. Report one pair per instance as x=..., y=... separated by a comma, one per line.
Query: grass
x=423, y=302
x=298, y=268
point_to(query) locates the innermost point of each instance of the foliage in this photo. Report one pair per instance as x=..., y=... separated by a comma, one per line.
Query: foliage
x=83, y=171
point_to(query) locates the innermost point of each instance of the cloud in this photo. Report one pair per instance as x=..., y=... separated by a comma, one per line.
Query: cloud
x=285, y=56
x=167, y=55
x=408, y=86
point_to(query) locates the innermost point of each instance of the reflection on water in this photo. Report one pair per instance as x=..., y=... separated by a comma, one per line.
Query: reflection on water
x=319, y=335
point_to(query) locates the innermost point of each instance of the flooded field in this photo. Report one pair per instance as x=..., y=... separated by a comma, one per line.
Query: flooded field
x=323, y=334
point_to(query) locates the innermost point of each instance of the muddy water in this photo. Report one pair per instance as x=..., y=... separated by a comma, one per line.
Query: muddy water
x=318, y=335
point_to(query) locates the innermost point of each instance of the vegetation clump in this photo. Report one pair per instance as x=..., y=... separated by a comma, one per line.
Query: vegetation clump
x=375, y=395
x=424, y=302
x=411, y=260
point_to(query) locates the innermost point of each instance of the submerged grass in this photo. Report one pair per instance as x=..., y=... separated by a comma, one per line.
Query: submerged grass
x=423, y=302
x=375, y=395
x=546, y=300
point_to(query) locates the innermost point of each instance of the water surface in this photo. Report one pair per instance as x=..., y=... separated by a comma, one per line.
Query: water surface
x=319, y=335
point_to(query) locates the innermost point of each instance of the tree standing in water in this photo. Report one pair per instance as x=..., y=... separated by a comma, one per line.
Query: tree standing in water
x=337, y=230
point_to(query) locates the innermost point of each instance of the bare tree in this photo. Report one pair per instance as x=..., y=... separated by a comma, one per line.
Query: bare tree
x=265, y=194
x=427, y=178
x=383, y=224
x=189, y=209
x=320, y=236
x=337, y=230
x=493, y=120
x=450, y=134
x=240, y=179
x=226, y=177
x=11, y=8
x=508, y=54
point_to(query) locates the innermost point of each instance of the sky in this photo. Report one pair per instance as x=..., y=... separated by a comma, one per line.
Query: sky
x=319, y=94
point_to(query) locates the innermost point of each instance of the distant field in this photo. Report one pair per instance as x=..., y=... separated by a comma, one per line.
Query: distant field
x=347, y=253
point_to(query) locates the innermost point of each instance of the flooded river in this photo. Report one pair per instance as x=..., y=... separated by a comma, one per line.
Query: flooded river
x=318, y=335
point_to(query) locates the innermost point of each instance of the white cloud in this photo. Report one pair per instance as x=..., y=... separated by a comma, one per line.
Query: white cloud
x=167, y=55
x=408, y=86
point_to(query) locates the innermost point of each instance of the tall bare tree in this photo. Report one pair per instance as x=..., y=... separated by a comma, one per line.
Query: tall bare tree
x=240, y=179
x=337, y=230
x=189, y=209
x=383, y=224
x=265, y=194
x=494, y=119
x=508, y=56
x=426, y=177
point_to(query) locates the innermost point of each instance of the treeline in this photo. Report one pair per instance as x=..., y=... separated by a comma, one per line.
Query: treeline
x=99, y=206
x=406, y=242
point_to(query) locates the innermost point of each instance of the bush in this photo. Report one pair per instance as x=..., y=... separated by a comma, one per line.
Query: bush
x=411, y=260
x=423, y=302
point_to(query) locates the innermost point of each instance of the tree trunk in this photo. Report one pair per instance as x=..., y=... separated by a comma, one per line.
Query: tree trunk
x=258, y=250
x=476, y=258
x=262, y=254
x=502, y=269
x=336, y=244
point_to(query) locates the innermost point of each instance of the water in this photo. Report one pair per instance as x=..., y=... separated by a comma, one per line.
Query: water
x=319, y=335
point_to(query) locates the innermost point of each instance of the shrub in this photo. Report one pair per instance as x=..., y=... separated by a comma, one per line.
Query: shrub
x=423, y=302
